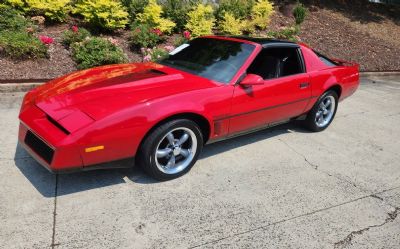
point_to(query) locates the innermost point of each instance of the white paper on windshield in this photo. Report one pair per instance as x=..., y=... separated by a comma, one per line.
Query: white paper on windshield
x=179, y=49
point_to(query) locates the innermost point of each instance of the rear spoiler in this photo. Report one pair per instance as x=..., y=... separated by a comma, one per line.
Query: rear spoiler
x=340, y=62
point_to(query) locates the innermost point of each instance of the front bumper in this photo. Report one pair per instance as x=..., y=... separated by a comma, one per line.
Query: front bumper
x=46, y=142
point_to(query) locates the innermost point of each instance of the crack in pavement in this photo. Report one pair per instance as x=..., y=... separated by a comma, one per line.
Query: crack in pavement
x=316, y=167
x=351, y=114
x=53, y=237
x=347, y=241
x=298, y=216
x=349, y=238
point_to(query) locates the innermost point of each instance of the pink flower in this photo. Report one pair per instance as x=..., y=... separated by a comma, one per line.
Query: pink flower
x=46, y=40
x=74, y=28
x=113, y=41
x=147, y=58
x=169, y=48
x=157, y=32
x=186, y=34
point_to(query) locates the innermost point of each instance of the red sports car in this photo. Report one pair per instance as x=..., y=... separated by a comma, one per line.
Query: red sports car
x=161, y=114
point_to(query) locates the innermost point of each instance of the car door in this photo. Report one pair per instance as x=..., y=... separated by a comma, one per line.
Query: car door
x=284, y=94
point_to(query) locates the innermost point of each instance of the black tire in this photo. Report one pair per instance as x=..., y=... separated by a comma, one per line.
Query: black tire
x=310, y=121
x=147, y=152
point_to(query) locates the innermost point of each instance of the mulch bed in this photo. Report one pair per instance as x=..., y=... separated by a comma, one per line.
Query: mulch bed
x=322, y=31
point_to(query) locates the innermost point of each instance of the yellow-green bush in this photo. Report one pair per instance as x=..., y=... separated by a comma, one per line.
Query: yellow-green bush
x=231, y=25
x=53, y=10
x=16, y=3
x=261, y=13
x=105, y=14
x=201, y=20
x=152, y=15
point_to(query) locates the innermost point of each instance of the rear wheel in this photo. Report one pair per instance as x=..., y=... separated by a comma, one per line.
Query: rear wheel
x=171, y=149
x=323, y=112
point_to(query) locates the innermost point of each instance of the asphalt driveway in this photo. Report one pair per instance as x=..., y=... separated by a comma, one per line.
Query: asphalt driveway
x=279, y=188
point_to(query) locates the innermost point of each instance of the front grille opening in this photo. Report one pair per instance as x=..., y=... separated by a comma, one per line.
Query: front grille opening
x=40, y=147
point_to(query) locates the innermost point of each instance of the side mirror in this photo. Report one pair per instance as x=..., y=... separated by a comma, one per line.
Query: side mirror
x=252, y=79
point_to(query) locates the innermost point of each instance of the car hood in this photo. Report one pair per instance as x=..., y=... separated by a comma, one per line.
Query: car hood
x=101, y=91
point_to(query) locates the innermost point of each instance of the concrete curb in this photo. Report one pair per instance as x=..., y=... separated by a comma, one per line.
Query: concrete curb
x=26, y=85
x=18, y=87
x=369, y=74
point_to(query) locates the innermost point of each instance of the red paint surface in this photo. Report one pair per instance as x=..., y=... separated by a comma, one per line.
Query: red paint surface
x=117, y=105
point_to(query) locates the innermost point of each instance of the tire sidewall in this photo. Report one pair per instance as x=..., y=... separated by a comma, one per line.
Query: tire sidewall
x=150, y=146
x=311, y=116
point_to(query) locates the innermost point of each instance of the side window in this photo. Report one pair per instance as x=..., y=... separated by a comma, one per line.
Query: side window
x=273, y=63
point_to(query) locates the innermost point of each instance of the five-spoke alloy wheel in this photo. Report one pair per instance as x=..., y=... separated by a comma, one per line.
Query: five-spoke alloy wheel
x=323, y=112
x=171, y=149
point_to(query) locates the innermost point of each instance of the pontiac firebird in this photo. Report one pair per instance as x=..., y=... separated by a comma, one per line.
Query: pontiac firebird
x=161, y=114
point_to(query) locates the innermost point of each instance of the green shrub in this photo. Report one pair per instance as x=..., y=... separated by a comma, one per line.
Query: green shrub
x=289, y=33
x=18, y=4
x=176, y=10
x=74, y=35
x=10, y=19
x=143, y=36
x=134, y=7
x=53, y=10
x=230, y=25
x=299, y=13
x=152, y=16
x=240, y=9
x=154, y=54
x=104, y=14
x=261, y=13
x=21, y=45
x=201, y=20
x=96, y=51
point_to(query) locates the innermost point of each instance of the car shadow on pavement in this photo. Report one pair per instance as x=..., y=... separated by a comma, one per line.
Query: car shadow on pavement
x=50, y=185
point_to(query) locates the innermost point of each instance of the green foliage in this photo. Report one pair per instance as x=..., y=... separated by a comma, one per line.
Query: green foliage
x=10, y=19
x=106, y=14
x=201, y=20
x=176, y=10
x=134, y=7
x=299, y=13
x=53, y=10
x=70, y=36
x=96, y=51
x=152, y=16
x=261, y=13
x=230, y=25
x=21, y=45
x=241, y=9
x=154, y=54
x=143, y=36
x=289, y=33
x=180, y=40
x=19, y=4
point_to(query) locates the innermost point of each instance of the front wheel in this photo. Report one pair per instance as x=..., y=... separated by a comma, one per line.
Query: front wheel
x=171, y=149
x=323, y=112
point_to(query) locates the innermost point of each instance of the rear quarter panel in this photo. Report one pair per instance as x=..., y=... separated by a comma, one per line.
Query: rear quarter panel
x=323, y=77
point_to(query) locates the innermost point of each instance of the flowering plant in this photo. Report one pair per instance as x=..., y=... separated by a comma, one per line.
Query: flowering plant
x=46, y=40
x=74, y=35
x=155, y=54
x=186, y=34
x=157, y=32
x=75, y=29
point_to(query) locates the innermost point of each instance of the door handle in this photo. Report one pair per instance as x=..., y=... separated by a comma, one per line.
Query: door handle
x=304, y=85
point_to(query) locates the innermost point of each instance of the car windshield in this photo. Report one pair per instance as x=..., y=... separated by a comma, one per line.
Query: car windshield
x=214, y=59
